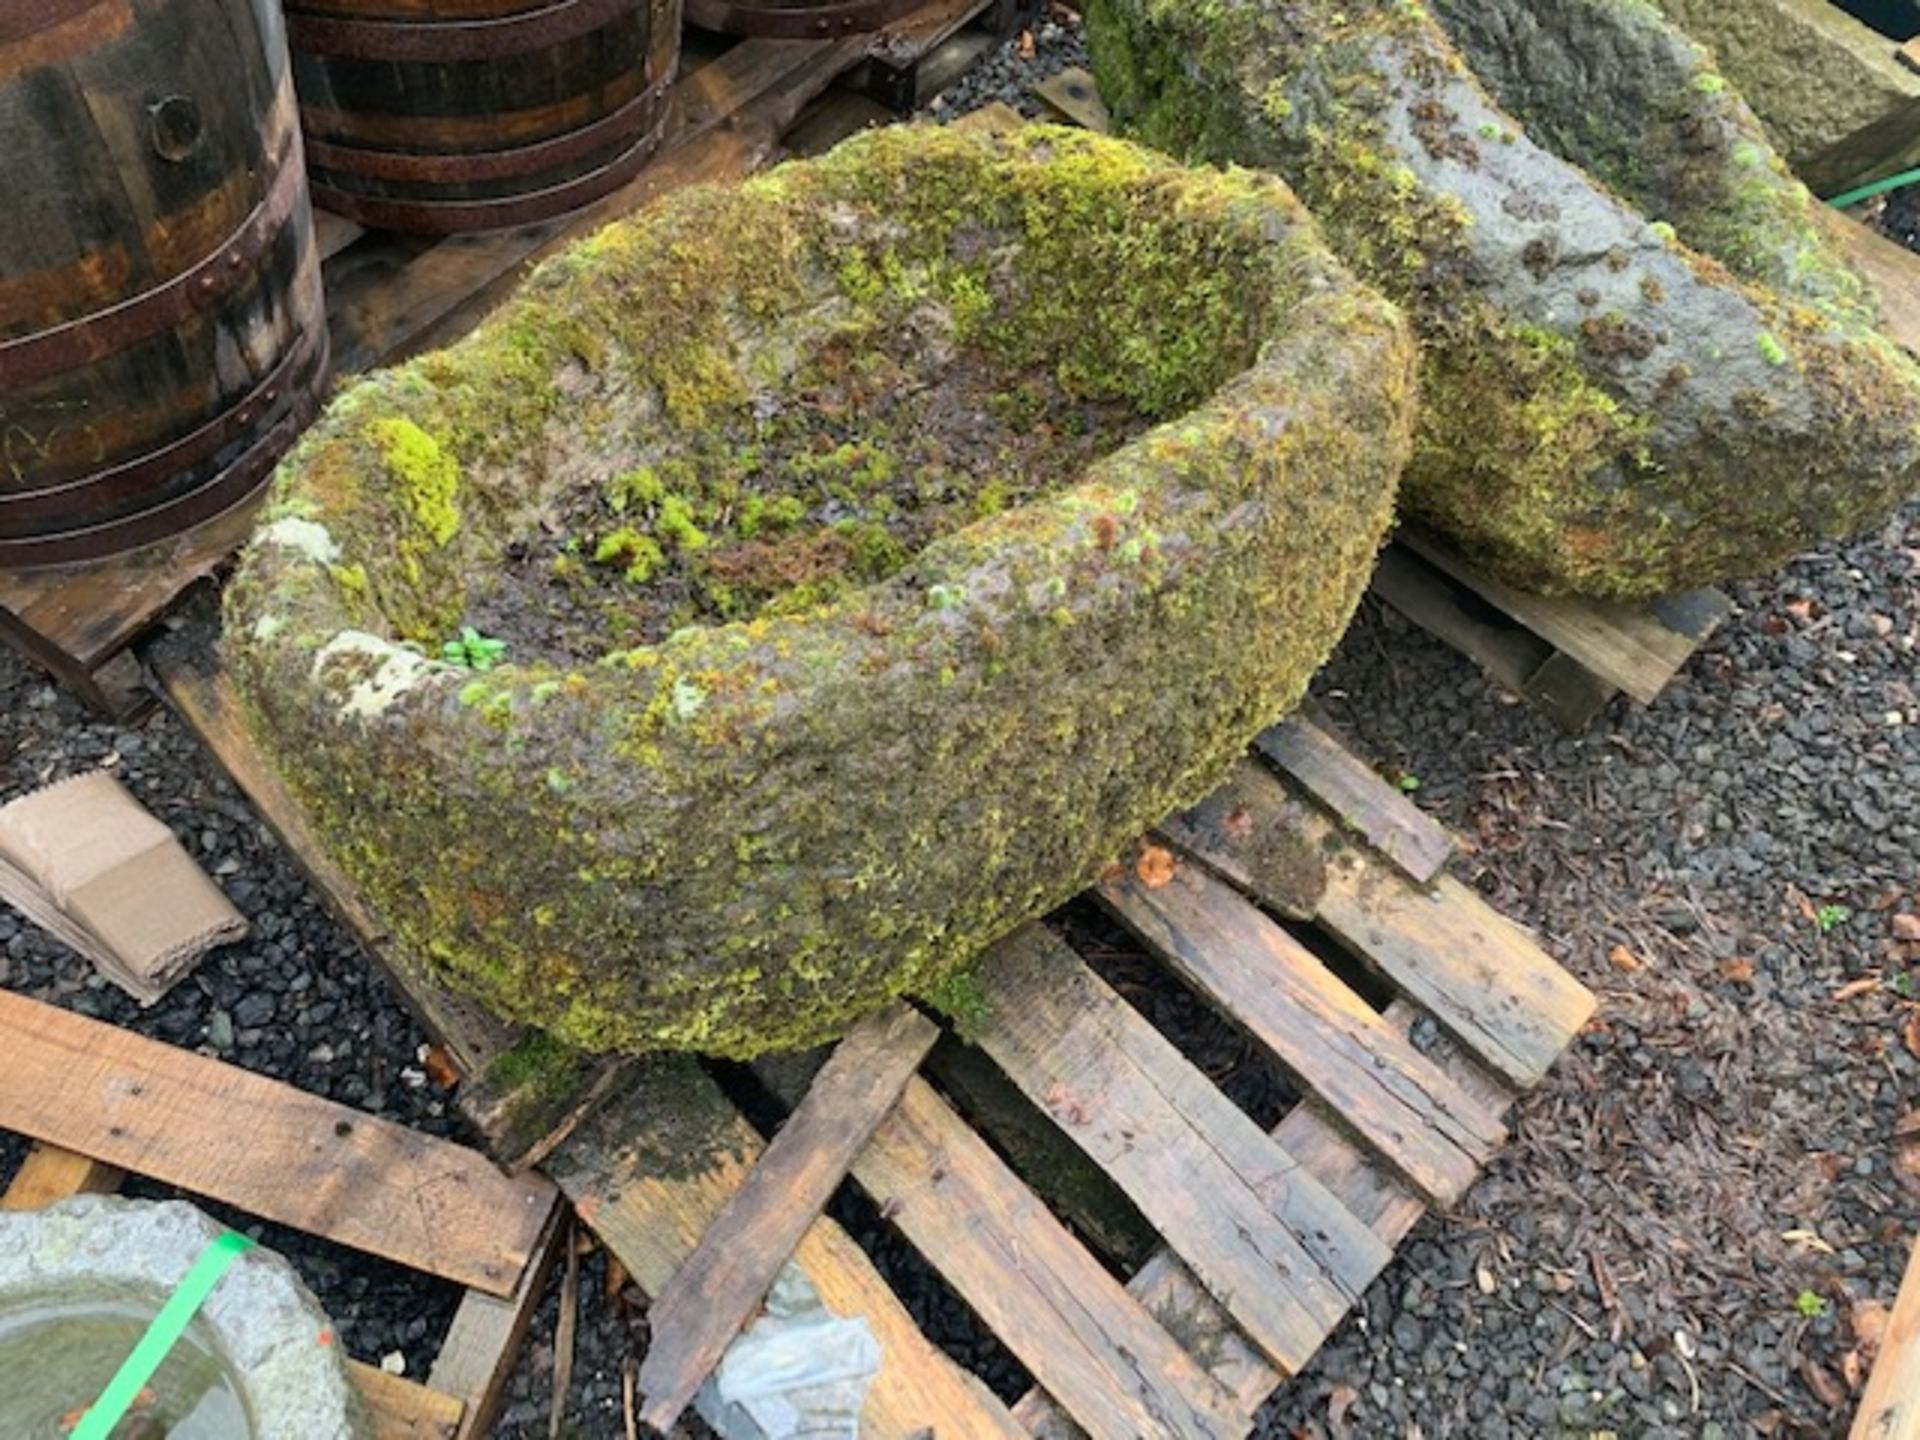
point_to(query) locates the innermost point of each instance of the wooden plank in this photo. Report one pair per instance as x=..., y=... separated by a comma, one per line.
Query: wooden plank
x=1882, y=147
x=1345, y=1167
x=1481, y=976
x=715, y=1293
x=50, y=1173
x=402, y=1409
x=651, y=1169
x=1338, y=779
x=1074, y=1187
x=1108, y=1363
x=1890, y=1405
x=1620, y=644
x=265, y=1147
x=73, y=618
x=1279, y=1252
x=333, y=233
x=477, y=1355
x=1076, y=97
x=1894, y=272
x=832, y=118
x=1373, y=1080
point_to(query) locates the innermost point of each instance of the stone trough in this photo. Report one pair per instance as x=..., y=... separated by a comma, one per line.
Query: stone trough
x=81, y=1280
x=800, y=584
x=1617, y=401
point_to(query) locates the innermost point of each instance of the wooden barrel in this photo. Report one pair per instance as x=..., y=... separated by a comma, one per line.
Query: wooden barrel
x=162, y=334
x=801, y=20
x=443, y=116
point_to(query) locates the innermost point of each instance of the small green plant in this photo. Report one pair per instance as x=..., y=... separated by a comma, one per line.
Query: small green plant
x=1902, y=984
x=1408, y=784
x=1810, y=1306
x=472, y=650
x=1829, y=917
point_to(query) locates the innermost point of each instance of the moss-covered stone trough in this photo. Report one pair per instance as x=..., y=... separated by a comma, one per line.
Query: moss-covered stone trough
x=1655, y=375
x=800, y=584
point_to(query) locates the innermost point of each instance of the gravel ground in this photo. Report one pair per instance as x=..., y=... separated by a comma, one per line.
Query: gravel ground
x=1696, y=1217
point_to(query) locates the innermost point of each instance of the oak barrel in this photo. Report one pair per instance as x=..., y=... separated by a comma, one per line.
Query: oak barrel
x=797, y=19
x=444, y=116
x=162, y=334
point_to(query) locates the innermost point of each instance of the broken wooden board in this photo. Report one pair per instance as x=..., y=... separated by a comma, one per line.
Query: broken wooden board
x=299, y=1160
x=715, y=1292
x=650, y=1170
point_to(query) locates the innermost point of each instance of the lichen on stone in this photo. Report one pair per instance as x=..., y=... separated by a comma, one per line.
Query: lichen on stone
x=1615, y=403
x=806, y=697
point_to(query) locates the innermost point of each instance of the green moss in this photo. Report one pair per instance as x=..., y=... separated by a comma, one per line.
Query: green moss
x=429, y=477
x=637, y=555
x=711, y=844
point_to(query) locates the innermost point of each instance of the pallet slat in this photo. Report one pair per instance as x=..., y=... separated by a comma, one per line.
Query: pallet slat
x=715, y=1292
x=1482, y=976
x=1334, y=776
x=1276, y=1247
x=50, y=1173
x=1102, y=1357
x=651, y=1169
x=1264, y=979
x=265, y=1147
x=1890, y=1405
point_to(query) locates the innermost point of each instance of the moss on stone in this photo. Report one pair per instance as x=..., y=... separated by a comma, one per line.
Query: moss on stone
x=1590, y=381
x=742, y=834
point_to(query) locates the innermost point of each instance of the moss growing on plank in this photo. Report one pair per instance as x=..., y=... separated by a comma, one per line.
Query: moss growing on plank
x=927, y=706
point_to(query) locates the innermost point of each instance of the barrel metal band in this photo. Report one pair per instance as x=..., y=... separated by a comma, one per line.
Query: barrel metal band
x=82, y=341
x=232, y=486
x=452, y=217
x=479, y=165
x=122, y=482
x=431, y=41
x=797, y=22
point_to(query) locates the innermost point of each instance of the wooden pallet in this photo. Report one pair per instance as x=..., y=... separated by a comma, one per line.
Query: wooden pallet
x=1567, y=657
x=102, y=1103
x=1267, y=1239
x=390, y=296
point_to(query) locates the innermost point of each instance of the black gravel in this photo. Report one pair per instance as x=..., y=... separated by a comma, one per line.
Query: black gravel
x=1721, y=1143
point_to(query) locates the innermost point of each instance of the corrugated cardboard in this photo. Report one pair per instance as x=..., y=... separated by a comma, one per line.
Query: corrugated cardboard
x=83, y=859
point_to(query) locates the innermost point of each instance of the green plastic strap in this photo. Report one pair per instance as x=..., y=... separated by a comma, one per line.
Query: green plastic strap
x=162, y=1335
x=1878, y=187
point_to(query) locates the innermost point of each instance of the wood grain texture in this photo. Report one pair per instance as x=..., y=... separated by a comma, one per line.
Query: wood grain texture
x=1890, y=1405
x=478, y=1352
x=1107, y=1362
x=715, y=1292
x=1625, y=646
x=1372, y=1079
x=1481, y=975
x=265, y=1147
x=50, y=1173
x=1894, y=271
x=1271, y=1244
x=1339, y=780
x=1349, y=1171
x=653, y=1167
x=402, y=1409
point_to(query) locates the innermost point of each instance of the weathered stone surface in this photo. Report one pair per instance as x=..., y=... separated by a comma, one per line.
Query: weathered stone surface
x=746, y=830
x=1813, y=72
x=260, y=1320
x=1612, y=405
